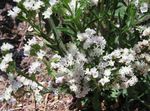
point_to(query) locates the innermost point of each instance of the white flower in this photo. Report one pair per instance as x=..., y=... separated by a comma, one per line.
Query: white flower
x=53, y=2
x=47, y=13
x=26, y=82
x=99, y=41
x=90, y=32
x=147, y=57
x=126, y=70
x=7, y=93
x=41, y=54
x=34, y=67
x=104, y=80
x=144, y=7
x=14, y=12
x=7, y=58
x=146, y=32
x=59, y=80
x=95, y=2
x=17, y=1
x=87, y=71
x=32, y=41
x=56, y=56
x=27, y=49
x=21, y=78
x=55, y=65
x=82, y=36
x=29, y=4
x=96, y=52
x=107, y=72
x=81, y=57
x=33, y=85
x=94, y=72
x=37, y=5
x=142, y=67
x=69, y=60
x=6, y=46
x=3, y=66
x=87, y=44
x=132, y=81
x=136, y=2
x=16, y=84
x=73, y=88
x=127, y=58
x=116, y=53
x=111, y=63
x=72, y=48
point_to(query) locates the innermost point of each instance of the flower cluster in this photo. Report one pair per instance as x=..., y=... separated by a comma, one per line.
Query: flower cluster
x=32, y=5
x=73, y=67
x=89, y=62
x=120, y=62
x=7, y=57
x=142, y=50
x=34, y=48
x=15, y=79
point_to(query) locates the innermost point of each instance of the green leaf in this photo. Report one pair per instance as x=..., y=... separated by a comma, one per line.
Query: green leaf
x=121, y=10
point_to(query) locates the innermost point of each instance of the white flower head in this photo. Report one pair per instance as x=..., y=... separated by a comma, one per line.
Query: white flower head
x=87, y=43
x=17, y=1
x=56, y=56
x=136, y=2
x=87, y=71
x=74, y=88
x=90, y=32
x=32, y=41
x=126, y=70
x=47, y=13
x=81, y=57
x=33, y=85
x=107, y=72
x=34, y=67
x=3, y=66
x=132, y=81
x=28, y=4
x=144, y=7
x=7, y=94
x=27, y=49
x=59, y=80
x=7, y=58
x=14, y=12
x=104, y=80
x=53, y=2
x=41, y=54
x=82, y=36
x=72, y=48
x=6, y=47
x=37, y=5
x=146, y=32
x=94, y=72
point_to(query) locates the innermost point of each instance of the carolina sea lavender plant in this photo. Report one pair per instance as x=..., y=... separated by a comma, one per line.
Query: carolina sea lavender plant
x=100, y=49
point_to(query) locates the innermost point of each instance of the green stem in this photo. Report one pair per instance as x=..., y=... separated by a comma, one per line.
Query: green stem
x=57, y=35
